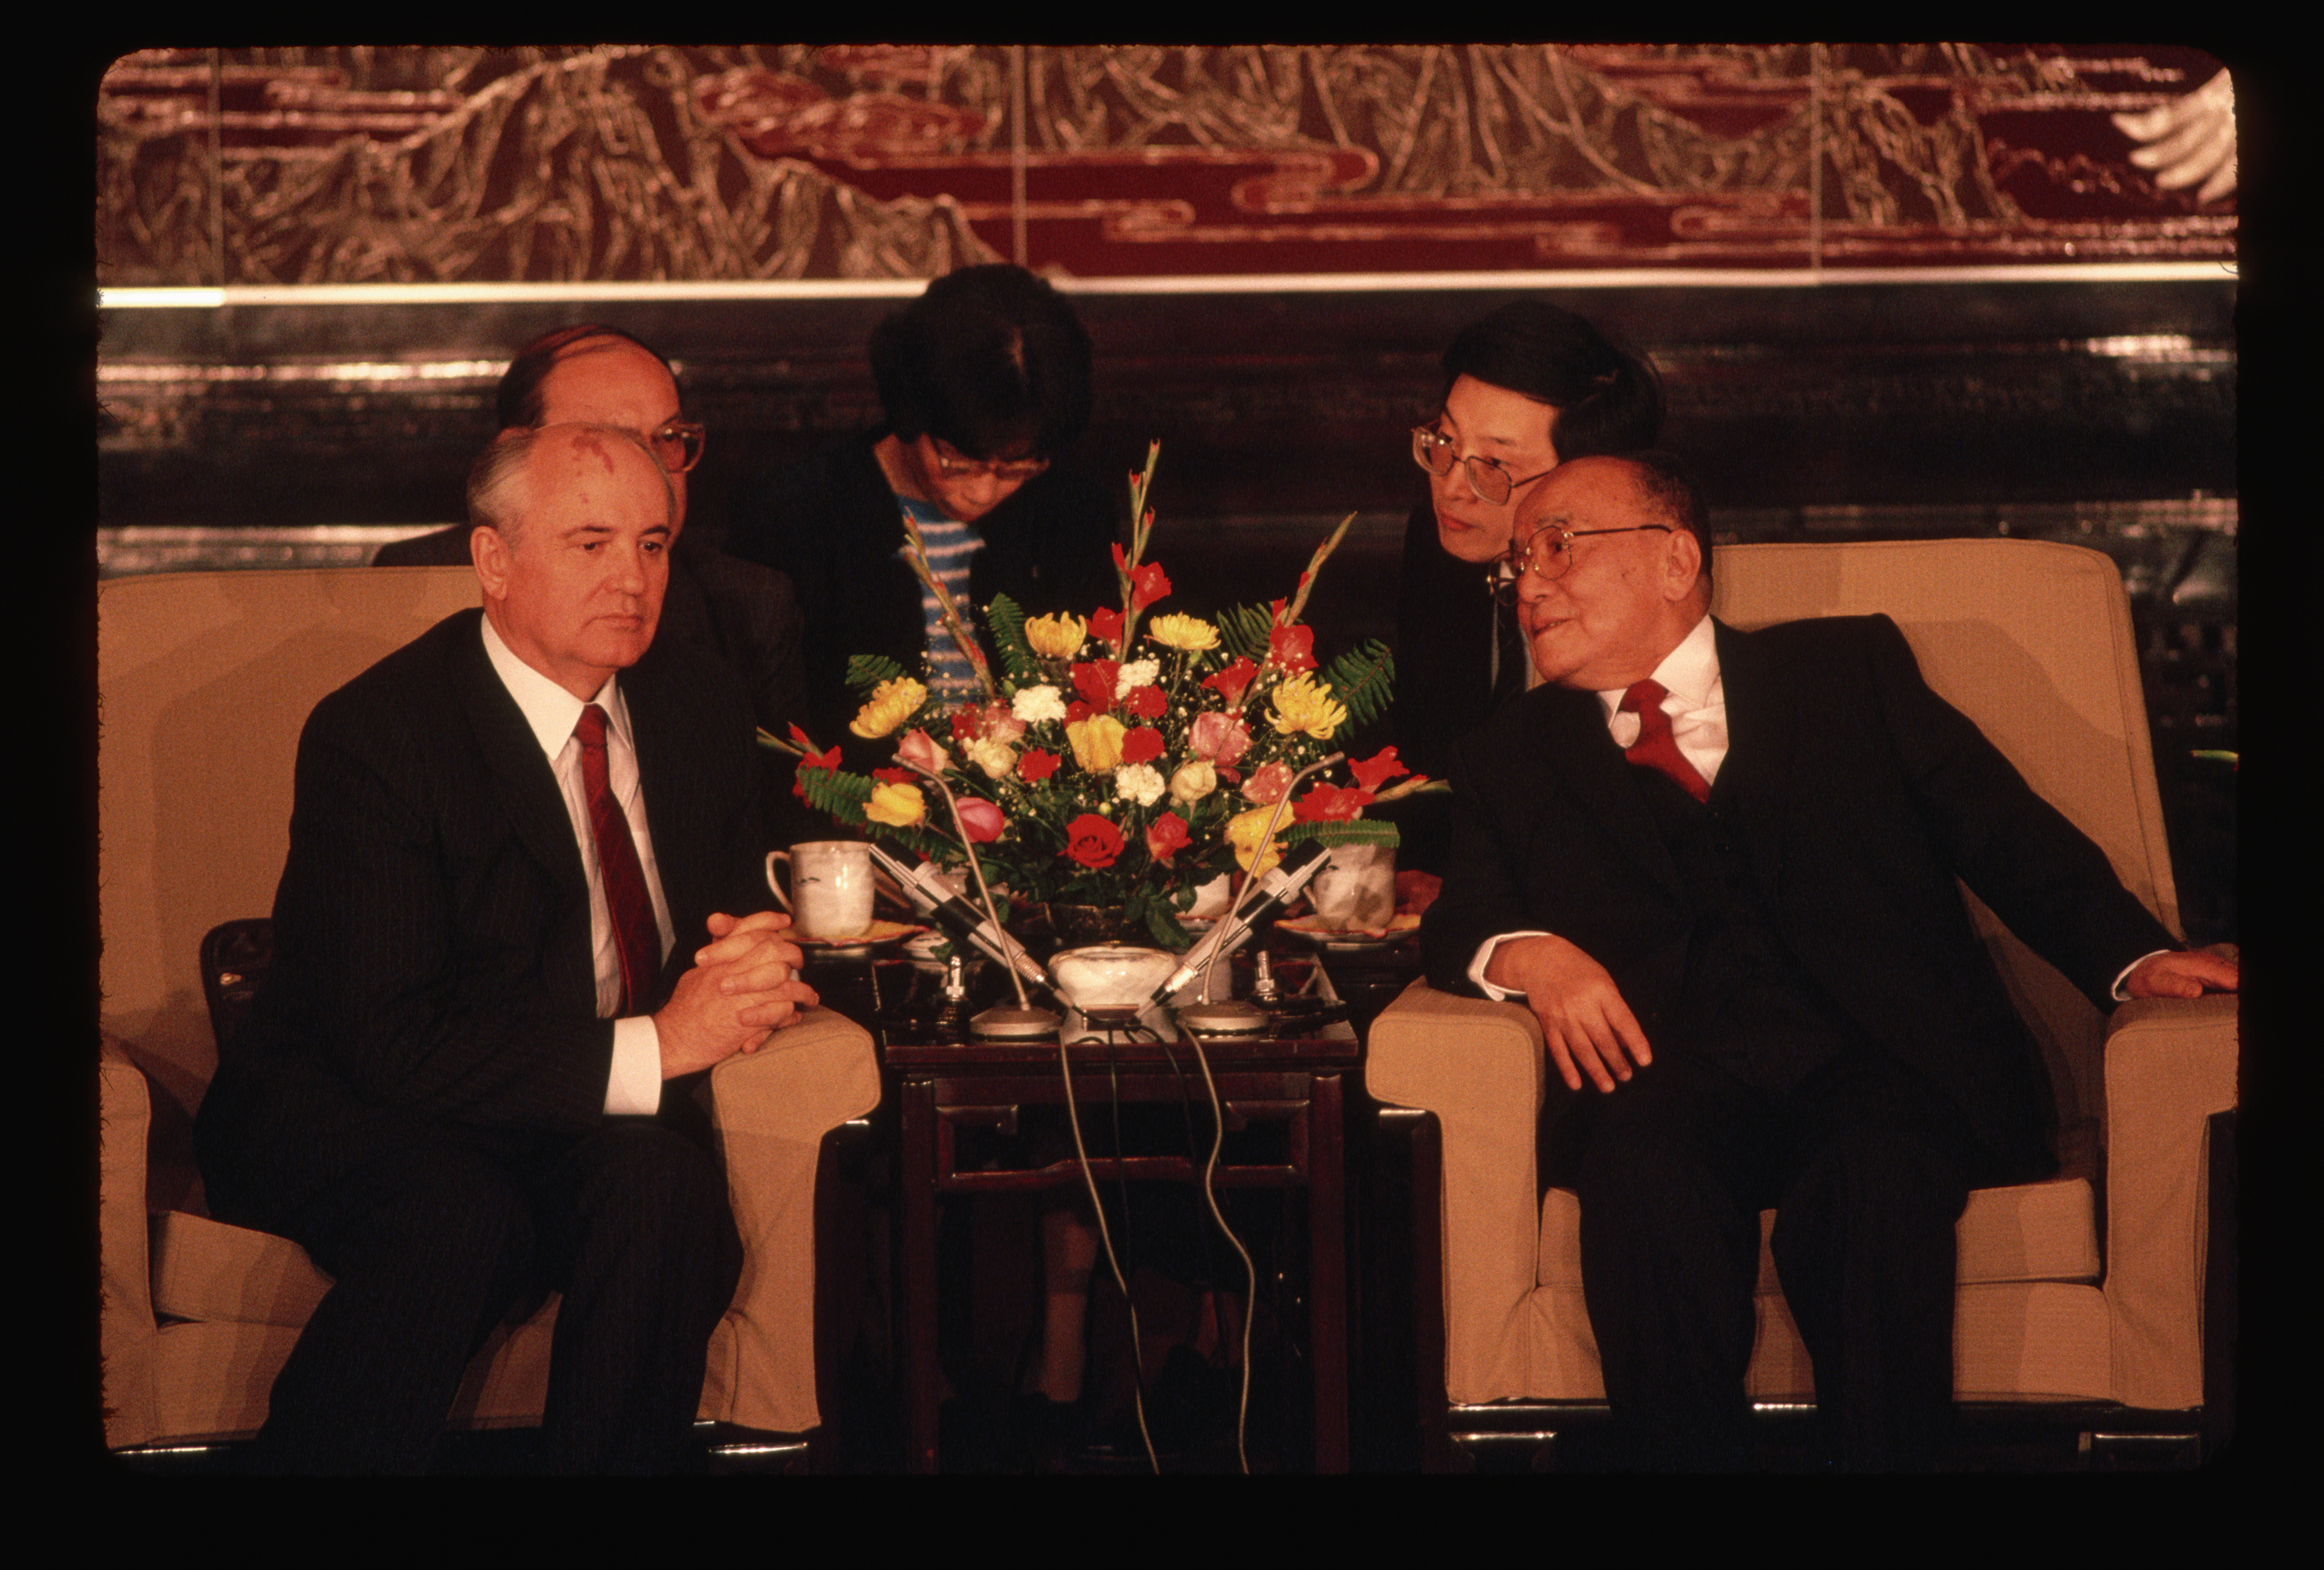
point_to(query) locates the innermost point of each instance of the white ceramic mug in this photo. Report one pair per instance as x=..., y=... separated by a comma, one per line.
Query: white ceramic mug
x=830, y=899
x=1356, y=890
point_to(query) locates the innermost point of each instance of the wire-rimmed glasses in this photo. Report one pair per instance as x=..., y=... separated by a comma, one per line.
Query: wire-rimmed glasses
x=1432, y=449
x=1549, y=553
x=678, y=444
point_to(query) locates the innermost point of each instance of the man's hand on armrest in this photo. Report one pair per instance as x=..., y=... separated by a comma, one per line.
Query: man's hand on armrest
x=2187, y=974
x=1586, y=1025
x=741, y=988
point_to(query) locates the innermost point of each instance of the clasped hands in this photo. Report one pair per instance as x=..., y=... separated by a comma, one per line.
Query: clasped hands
x=742, y=987
x=1588, y=1029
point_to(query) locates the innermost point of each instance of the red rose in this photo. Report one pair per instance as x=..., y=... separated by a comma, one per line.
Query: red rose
x=1378, y=770
x=1142, y=746
x=1093, y=841
x=1036, y=765
x=1166, y=836
x=1146, y=703
x=1094, y=681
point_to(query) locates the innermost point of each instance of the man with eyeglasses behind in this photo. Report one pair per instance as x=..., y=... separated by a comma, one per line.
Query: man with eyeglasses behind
x=984, y=381
x=1723, y=868
x=1525, y=387
x=738, y=611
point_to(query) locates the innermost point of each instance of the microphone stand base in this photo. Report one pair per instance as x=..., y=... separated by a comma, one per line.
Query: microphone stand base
x=1001, y=1023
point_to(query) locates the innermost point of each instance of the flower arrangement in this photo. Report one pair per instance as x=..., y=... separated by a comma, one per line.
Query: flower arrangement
x=1107, y=763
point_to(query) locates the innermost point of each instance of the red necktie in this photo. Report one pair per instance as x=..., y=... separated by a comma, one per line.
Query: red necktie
x=636, y=940
x=1655, y=747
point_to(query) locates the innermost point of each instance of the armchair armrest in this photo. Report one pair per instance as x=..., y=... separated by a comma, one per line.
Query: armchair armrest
x=1478, y=1066
x=125, y=1281
x=771, y=1111
x=2170, y=1065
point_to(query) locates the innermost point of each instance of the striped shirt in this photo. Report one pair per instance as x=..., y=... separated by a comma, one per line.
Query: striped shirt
x=952, y=545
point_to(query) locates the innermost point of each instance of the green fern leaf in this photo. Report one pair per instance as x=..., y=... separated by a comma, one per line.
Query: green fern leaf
x=1006, y=621
x=866, y=672
x=1363, y=679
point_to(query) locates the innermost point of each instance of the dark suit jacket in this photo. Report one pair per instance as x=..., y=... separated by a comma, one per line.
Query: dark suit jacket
x=432, y=955
x=1860, y=796
x=1443, y=678
x=834, y=527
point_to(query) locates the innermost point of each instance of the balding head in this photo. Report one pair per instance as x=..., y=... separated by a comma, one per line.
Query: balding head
x=573, y=525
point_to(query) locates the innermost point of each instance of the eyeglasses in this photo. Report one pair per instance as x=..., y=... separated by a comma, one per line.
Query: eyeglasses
x=1432, y=449
x=1550, y=552
x=678, y=445
x=1016, y=472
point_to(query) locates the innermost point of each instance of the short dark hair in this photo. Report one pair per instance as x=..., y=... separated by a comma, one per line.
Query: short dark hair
x=1670, y=495
x=990, y=359
x=518, y=401
x=1607, y=397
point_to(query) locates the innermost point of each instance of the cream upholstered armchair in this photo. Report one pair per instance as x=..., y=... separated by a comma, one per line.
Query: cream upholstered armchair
x=2085, y=1292
x=206, y=679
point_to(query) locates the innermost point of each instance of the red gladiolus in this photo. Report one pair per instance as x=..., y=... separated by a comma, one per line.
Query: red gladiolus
x=1093, y=841
x=1094, y=681
x=1291, y=649
x=1036, y=765
x=814, y=760
x=1166, y=836
x=1378, y=770
x=1232, y=682
x=896, y=776
x=1142, y=746
x=1330, y=804
x=1146, y=703
x=1148, y=582
x=1106, y=625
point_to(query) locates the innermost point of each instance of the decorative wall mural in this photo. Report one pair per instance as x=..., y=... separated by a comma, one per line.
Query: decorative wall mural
x=794, y=161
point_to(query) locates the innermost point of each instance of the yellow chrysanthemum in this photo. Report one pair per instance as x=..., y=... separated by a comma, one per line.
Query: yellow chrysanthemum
x=893, y=703
x=1186, y=633
x=1057, y=637
x=1243, y=830
x=898, y=805
x=1302, y=703
x=1097, y=741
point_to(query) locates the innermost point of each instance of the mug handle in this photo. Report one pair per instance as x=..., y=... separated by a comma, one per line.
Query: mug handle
x=775, y=884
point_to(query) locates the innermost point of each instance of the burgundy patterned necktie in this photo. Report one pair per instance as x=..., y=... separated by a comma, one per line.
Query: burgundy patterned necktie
x=1655, y=747
x=636, y=940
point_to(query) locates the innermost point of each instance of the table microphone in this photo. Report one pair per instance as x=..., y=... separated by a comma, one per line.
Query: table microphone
x=999, y=1022
x=1282, y=884
x=928, y=890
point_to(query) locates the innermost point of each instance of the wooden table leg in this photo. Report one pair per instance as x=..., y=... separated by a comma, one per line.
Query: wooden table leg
x=923, y=1378
x=1327, y=1284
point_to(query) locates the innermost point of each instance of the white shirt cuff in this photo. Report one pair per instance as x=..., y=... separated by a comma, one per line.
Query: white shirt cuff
x=634, y=1087
x=1485, y=957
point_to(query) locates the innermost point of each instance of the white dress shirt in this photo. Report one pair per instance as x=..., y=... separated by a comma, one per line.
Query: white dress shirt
x=634, y=1087
x=1696, y=700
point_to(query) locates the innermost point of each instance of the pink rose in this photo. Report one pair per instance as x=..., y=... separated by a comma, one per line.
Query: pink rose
x=920, y=750
x=1266, y=784
x=1221, y=737
x=981, y=820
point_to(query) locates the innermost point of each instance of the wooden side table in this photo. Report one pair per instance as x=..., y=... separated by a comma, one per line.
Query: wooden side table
x=943, y=1087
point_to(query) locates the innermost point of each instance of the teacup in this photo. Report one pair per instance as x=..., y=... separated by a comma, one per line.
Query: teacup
x=830, y=899
x=1356, y=890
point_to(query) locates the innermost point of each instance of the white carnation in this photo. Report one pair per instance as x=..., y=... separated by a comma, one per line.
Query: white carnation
x=1138, y=673
x=1139, y=783
x=1035, y=704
